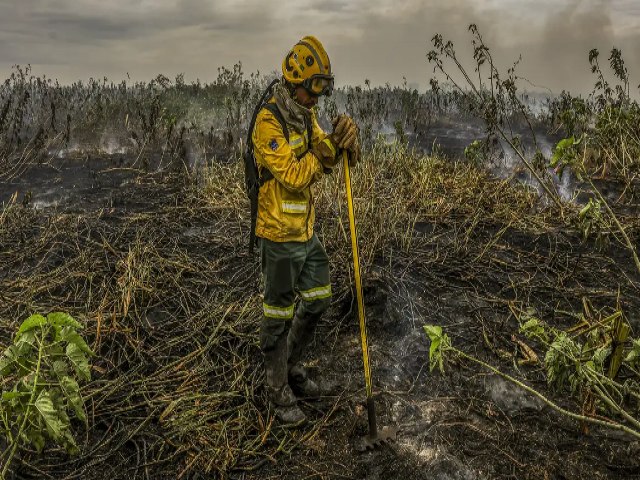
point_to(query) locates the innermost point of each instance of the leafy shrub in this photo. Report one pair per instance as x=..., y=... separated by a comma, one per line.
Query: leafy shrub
x=39, y=374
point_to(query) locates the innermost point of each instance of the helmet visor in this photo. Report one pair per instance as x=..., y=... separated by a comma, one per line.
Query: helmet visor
x=319, y=85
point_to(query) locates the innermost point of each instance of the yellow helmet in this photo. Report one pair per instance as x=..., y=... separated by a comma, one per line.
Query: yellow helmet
x=307, y=64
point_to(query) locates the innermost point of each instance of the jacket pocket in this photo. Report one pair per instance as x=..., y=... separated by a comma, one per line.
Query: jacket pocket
x=295, y=210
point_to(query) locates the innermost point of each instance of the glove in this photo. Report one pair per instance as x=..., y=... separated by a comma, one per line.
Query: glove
x=326, y=154
x=344, y=136
x=345, y=131
x=354, y=153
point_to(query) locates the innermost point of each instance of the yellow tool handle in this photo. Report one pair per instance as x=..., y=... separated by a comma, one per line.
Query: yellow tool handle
x=356, y=268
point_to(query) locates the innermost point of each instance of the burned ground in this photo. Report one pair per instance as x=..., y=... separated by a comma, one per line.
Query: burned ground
x=156, y=267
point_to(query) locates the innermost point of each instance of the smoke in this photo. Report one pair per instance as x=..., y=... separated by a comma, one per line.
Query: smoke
x=558, y=58
x=380, y=40
x=553, y=38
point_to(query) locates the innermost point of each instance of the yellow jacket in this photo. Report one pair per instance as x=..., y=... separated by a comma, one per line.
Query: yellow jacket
x=285, y=203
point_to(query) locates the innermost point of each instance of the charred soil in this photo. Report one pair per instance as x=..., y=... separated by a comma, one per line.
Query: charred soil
x=160, y=274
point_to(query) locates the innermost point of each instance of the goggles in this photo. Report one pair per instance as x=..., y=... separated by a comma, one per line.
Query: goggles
x=319, y=85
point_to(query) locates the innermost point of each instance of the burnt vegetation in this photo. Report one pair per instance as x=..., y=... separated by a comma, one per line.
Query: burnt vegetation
x=144, y=241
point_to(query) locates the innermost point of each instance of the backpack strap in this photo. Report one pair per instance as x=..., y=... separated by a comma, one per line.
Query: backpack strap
x=266, y=94
x=273, y=108
x=252, y=179
x=309, y=134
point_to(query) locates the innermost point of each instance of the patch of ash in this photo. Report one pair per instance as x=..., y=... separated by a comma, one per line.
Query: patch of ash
x=51, y=197
x=510, y=397
x=399, y=349
x=112, y=145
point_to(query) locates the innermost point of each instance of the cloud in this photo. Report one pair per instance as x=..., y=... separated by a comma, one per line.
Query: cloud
x=382, y=40
x=146, y=38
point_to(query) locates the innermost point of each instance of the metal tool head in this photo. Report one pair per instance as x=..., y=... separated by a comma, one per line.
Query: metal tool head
x=382, y=437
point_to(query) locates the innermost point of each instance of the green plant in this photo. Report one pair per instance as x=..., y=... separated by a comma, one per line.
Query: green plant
x=590, y=220
x=580, y=367
x=476, y=152
x=440, y=344
x=533, y=327
x=610, y=118
x=39, y=375
x=567, y=155
x=587, y=360
x=571, y=153
x=494, y=98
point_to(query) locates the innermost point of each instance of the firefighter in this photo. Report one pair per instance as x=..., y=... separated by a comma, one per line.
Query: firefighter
x=292, y=153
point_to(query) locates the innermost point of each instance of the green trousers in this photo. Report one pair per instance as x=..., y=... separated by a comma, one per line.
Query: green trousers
x=291, y=270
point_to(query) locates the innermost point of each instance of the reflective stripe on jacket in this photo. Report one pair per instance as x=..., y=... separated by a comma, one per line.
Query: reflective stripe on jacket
x=285, y=203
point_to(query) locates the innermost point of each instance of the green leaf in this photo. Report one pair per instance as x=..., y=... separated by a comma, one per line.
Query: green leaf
x=34, y=321
x=563, y=150
x=534, y=328
x=9, y=362
x=71, y=390
x=600, y=357
x=561, y=362
x=566, y=143
x=60, y=406
x=8, y=396
x=583, y=212
x=439, y=344
x=69, y=335
x=435, y=335
x=433, y=331
x=60, y=368
x=28, y=338
x=44, y=406
x=61, y=319
x=79, y=361
x=6, y=365
x=36, y=438
x=56, y=351
x=634, y=354
x=70, y=444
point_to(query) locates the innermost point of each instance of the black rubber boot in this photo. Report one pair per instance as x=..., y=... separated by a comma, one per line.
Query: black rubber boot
x=300, y=335
x=285, y=406
x=281, y=397
x=301, y=384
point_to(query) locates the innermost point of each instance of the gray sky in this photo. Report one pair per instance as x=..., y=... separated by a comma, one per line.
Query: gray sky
x=382, y=40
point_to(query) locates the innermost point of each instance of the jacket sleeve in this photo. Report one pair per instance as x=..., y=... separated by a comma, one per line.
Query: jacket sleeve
x=273, y=152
